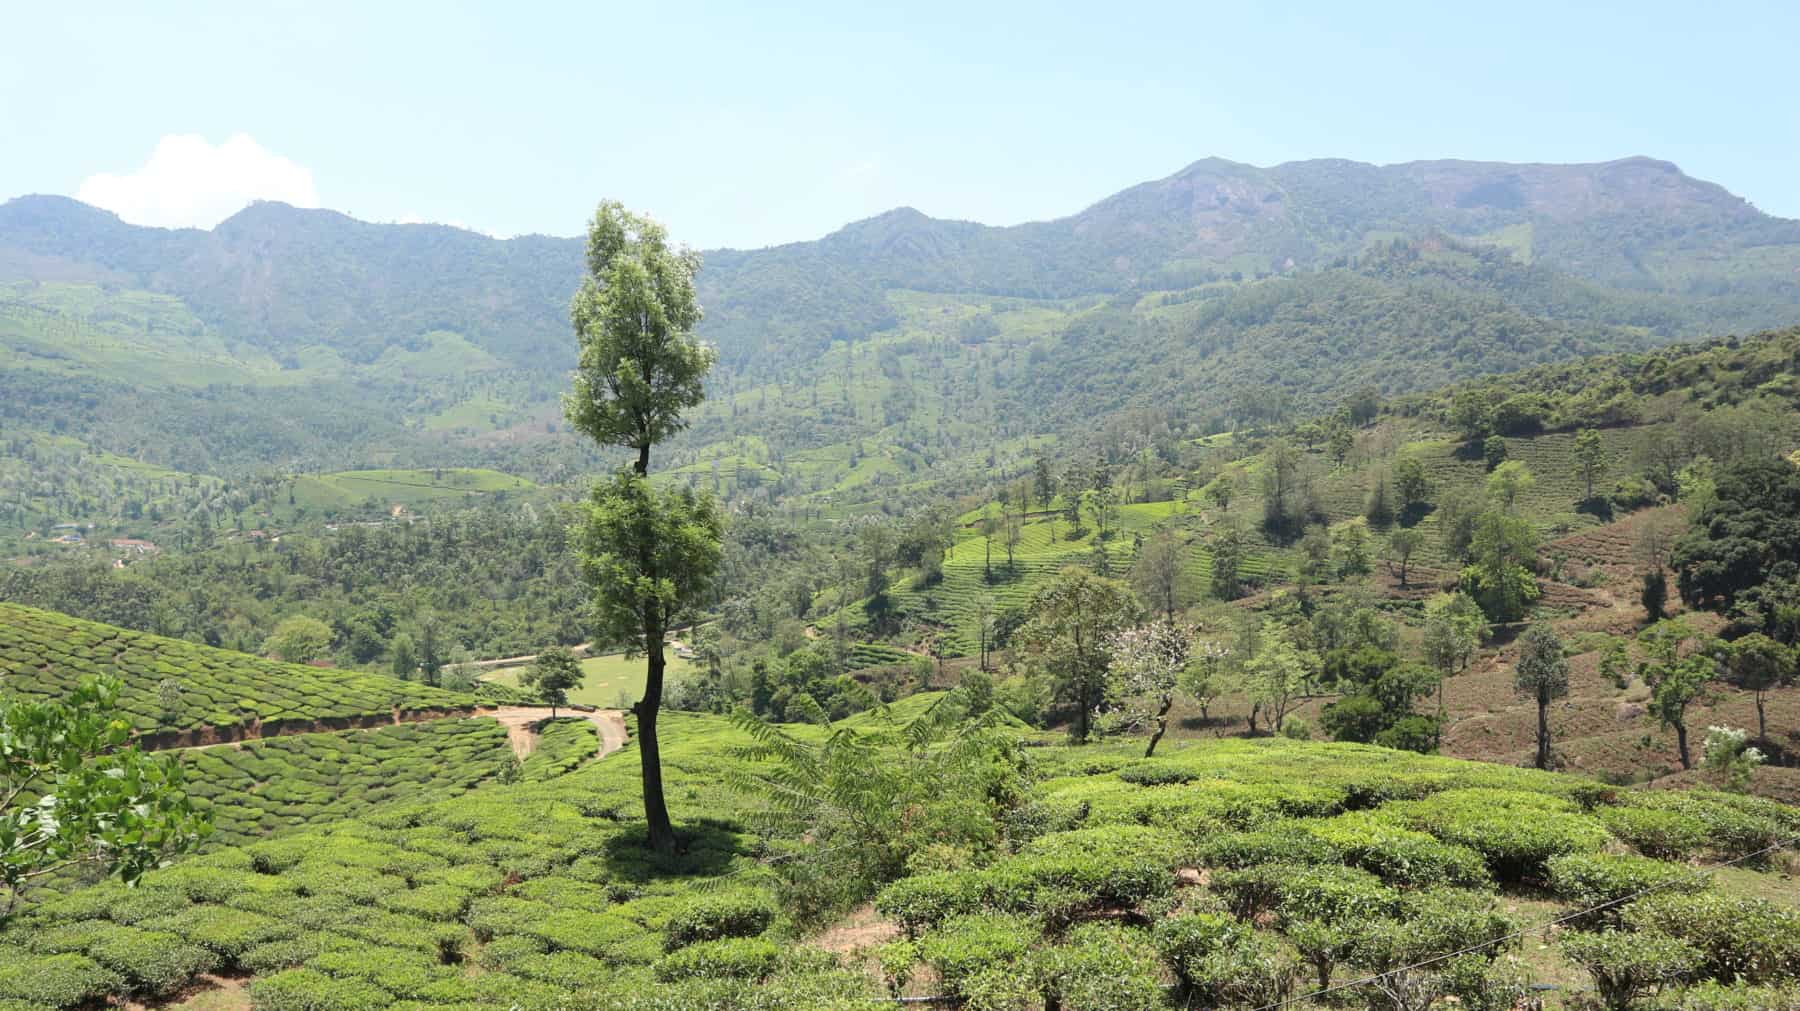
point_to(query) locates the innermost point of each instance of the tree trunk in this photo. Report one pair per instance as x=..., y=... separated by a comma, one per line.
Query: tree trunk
x=1681, y=744
x=1437, y=732
x=1762, y=719
x=1162, y=724
x=656, y=810
x=1543, y=748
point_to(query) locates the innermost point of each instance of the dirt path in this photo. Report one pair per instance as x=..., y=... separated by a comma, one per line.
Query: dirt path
x=518, y=720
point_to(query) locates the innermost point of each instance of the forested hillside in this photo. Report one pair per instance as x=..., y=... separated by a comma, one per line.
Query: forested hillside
x=902, y=341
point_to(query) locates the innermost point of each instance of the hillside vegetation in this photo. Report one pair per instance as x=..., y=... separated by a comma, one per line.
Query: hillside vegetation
x=1234, y=873
x=170, y=685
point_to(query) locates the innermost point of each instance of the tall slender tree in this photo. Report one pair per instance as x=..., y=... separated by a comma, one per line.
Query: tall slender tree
x=647, y=553
x=1543, y=674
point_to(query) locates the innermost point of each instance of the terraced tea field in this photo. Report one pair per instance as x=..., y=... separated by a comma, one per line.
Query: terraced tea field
x=1207, y=873
x=263, y=787
x=43, y=654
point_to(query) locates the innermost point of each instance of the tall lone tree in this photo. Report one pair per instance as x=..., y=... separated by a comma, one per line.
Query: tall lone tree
x=1543, y=674
x=647, y=553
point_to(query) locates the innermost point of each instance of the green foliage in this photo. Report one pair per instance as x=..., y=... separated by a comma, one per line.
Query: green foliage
x=64, y=980
x=1073, y=619
x=299, y=639
x=72, y=793
x=1627, y=966
x=1749, y=532
x=1738, y=938
x=873, y=795
x=44, y=655
x=1100, y=967
x=1517, y=833
x=1614, y=880
x=552, y=674
x=729, y=958
x=1499, y=578
x=711, y=917
x=309, y=990
x=964, y=946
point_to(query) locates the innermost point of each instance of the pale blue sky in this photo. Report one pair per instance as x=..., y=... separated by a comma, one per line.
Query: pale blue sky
x=748, y=127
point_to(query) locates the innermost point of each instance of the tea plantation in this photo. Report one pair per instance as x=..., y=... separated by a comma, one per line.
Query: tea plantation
x=45, y=654
x=1227, y=874
x=278, y=783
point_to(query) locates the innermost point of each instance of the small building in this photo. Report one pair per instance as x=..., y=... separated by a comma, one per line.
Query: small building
x=132, y=544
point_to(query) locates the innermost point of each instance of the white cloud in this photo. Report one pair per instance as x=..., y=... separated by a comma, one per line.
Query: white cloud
x=190, y=183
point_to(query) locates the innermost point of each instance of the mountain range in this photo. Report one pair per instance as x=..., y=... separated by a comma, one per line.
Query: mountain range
x=1176, y=295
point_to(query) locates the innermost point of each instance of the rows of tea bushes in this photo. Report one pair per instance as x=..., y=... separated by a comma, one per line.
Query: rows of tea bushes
x=562, y=745
x=174, y=685
x=1324, y=864
x=531, y=894
x=1224, y=875
x=279, y=783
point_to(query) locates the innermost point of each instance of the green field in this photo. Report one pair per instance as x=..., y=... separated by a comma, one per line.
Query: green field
x=607, y=678
x=541, y=894
x=403, y=487
x=44, y=654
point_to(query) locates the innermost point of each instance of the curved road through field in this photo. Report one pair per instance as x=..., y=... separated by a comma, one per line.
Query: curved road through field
x=610, y=723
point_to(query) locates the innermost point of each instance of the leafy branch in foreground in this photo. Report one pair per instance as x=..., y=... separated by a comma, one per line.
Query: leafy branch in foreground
x=72, y=793
x=874, y=801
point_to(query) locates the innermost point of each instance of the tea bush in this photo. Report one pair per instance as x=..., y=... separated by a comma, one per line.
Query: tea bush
x=1593, y=879
x=1754, y=940
x=715, y=916
x=730, y=958
x=542, y=894
x=270, y=785
x=1516, y=833
x=44, y=654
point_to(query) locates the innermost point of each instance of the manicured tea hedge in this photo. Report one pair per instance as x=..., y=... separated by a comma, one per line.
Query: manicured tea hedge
x=562, y=745
x=1241, y=872
x=44, y=654
x=279, y=783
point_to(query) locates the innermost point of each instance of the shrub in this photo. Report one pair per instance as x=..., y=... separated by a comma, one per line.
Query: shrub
x=1515, y=832
x=431, y=902
x=230, y=932
x=396, y=970
x=730, y=958
x=725, y=914
x=921, y=902
x=1661, y=834
x=1738, y=938
x=567, y=969
x=1398, y=855
x=1252, y=969
x=1335, y=894
x=1626, y=966
x=1100, y=967
x=309, y=990
x=1715, y=996
x=1287, y=844
x=57, y=980
x=965, y=945
x=503, y=952
x=1592, y=879
x=1322, y=945
x=274, y=956
x=1186, y=940
x=157, y=962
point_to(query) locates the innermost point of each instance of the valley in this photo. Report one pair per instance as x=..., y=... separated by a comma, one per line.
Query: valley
x=1318, y=586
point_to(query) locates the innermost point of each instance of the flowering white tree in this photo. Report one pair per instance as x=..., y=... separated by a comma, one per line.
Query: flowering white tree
x=1148, y=663
x=1727, y=756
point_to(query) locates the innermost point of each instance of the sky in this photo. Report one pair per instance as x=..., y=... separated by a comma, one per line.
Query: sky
x=750, y=125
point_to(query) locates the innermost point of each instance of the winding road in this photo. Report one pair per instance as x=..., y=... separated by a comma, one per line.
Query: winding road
x=518, y=720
